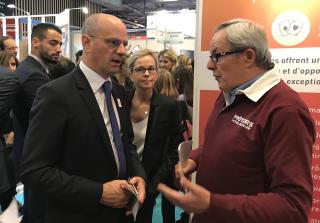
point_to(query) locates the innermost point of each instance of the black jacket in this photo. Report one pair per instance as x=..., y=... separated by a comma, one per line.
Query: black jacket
x=163, y=136
x=68, y=154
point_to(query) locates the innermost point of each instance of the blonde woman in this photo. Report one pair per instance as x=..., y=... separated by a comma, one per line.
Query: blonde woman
x=165, y=84
x=167, y=59
x=155, y=121
x=184, y=60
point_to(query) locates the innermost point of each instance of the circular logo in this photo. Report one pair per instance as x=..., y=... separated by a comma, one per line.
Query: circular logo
x=290, y=28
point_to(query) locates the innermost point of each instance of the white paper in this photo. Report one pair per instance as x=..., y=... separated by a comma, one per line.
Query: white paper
x=135, y=208
x=135, y=202
x=184, y=150
x=11, y=214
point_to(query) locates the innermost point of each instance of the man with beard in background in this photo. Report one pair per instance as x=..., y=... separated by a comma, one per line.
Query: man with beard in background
x=33, y=72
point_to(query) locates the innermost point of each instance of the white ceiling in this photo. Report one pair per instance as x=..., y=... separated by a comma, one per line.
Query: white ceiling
x=134, y=12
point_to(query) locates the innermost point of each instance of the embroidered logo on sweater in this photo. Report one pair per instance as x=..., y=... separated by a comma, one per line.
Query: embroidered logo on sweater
x=242, y=122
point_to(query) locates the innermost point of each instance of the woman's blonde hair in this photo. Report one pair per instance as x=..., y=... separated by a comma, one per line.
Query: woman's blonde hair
x=165, y=84
x=171, y=55
x=183, y=60
x=138, y=54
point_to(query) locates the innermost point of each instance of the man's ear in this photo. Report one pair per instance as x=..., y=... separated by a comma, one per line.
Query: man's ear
x=86, y=43
x=250, y=57
x=35, y=42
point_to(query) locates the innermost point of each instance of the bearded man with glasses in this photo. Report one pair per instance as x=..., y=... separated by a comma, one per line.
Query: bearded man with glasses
x=254, y=165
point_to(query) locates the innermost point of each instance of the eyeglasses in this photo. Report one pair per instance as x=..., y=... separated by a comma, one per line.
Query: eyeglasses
x=114, y=43
x=12, y=48
x=142, y=70
x=215, y=56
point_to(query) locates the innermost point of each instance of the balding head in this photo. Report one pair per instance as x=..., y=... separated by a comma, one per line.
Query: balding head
x=100, y=21
x=104, y=41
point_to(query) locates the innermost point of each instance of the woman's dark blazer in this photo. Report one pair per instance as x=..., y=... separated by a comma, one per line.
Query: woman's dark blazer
x=163, y=136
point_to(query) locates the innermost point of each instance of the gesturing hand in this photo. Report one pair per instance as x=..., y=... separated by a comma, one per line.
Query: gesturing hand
x=188, y=167
x=196, y=199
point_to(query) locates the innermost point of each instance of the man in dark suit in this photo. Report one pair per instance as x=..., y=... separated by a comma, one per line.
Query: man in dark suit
x=8, y=86
x=71, y=152
x=33, y=72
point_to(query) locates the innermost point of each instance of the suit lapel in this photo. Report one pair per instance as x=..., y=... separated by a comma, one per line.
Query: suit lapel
x=154, y=112
x=37, y=64
x=93, y=107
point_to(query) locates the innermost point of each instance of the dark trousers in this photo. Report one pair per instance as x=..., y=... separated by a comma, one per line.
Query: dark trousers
x=168, y=211
x=146, y=211
x=7, y=176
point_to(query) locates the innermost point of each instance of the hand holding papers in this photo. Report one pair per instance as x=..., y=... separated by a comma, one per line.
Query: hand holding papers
x=184, y=150
x=134, y=203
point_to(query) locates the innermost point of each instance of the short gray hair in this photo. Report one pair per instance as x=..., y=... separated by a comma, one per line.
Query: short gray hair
x=242, y=34
x=138, y=54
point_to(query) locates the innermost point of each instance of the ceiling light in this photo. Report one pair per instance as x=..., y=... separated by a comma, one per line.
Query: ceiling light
x=85, y=10
x=11, y=6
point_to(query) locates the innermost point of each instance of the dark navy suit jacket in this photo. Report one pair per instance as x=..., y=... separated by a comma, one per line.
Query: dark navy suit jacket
x=8, y=86
x=68, y=154
x=31, y=76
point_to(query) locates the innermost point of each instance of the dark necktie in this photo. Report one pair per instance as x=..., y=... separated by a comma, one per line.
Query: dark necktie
x=107, y=87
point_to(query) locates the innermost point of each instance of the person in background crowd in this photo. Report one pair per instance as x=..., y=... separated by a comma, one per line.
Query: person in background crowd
x=78, y=56
x=88, y=166
x=184, y=60
x=184, y=81
x=33, y=72
x=8, y=60
x=167, y=59
x=8, y=45
x=155, y=120
x=122, y=77
x=254, y=164
x=9, y=84
x=61, y=68
x=165, y=84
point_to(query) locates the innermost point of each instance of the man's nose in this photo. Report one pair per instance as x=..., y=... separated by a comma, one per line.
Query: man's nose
x=211, y=65
x=59, y=48
x=121, y=49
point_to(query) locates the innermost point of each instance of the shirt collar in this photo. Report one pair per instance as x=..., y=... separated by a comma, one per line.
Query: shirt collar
x=45, y=67
x=94, y=79
x=255, y=88
x=261, y=86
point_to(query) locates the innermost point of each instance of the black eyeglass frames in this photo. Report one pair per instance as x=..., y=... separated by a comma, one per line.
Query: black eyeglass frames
x=215, y=56
x=142, y=70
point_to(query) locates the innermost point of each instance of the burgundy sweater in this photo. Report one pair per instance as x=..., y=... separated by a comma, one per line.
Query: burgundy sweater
x=256, y=159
